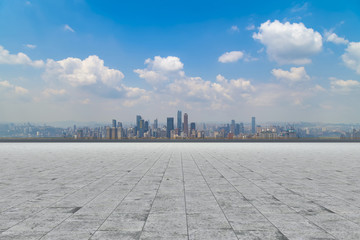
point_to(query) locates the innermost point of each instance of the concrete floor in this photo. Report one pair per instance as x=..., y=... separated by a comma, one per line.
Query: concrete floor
x=179, y=191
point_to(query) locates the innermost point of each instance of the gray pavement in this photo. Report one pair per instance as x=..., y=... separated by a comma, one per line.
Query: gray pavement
x=179, y=191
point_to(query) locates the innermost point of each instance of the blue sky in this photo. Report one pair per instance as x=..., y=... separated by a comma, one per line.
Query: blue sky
x=217, y=60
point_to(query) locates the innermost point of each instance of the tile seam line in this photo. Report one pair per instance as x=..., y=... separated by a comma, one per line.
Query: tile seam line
x=233, y=230
x=288, y=189
x=55, y=188
x=270, y=195
x=93, y=199
x=126, y=195
x=245, y=197
x=48, y=206
x=184, y=189
x=157, y=190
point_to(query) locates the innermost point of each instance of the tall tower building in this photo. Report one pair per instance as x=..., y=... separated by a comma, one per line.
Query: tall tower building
x=232, y=126
x=192, y=126
x=141, y=128
x=138, y=118
x=242, y=129
x=186, y=124
x=253, y=126
x=169, y=126
x=146, y=126
x=179, y=122
x=114, y=123
x=155, y=124
x=137, y=128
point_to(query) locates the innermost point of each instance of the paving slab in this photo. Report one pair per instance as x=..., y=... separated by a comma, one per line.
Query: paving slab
x=179, y=191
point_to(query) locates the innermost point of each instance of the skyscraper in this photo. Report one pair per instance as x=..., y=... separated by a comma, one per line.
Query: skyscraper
x=253, y=126
x=169, y=126
x=137, y=128
x=146, y=126
x=141, y=128
x=114, y=123
x=179, y=122
x=155, y=124
x=186, y=125
x=138, y=118
x=232, y=126
x=242, y=129
x=192, y=126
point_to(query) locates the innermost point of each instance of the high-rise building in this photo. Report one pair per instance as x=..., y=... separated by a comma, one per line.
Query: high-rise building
x=146, y=126
x=186, y=125
x=232, y=126
x=108, y=133
x=237, y=129
x=155, y=124
x=114, y=123
x=141, y=128
x=169, y=126
x=138, y=118
x=253, y=126
x=242, y=129
x=192, y=126
x=179, y=122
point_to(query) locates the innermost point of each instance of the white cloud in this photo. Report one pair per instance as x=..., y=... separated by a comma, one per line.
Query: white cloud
x=48, y=92
x=296, y=74
x=17, y=59
x=250, y=27
x=20, y=90
x=234, y=28
x=300, y=8
x=31, y=46
x=343, y=85
x=168, y=64
x=288, y=43
x=232, y=56
x=351, y=57
x=6, y=84
x=16, y=89
x=318, y=88
x=79, y=72
x=161, y=69
x=332, y=37
x=85, y=101
x=195, y=89
x=68, y=28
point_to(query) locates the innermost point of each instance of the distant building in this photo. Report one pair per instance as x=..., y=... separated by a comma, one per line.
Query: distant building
x=114, y=123
x=156, y=124
x=186, y=125
x=179, y=122
x=138, y=118
x=237, y=129
x=232, y=126
x=146, y=126
x=242, y=129
x=192, y=127
x=108, y=133
x=253, y=126
x=141, y=128
x=169, y=126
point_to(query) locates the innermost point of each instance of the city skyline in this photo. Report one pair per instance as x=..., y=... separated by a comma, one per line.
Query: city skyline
x=142, y=129
x=87, y=61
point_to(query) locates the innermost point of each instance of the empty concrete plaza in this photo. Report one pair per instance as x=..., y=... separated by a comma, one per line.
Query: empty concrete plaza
x=179, y=191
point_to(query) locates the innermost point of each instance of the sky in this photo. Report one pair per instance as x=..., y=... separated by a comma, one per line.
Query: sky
x=77, y=60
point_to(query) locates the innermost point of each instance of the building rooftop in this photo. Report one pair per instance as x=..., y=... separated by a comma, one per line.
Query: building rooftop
x=179, y=191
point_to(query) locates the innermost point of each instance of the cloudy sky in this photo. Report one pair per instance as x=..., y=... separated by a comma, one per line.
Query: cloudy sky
x=216, y=60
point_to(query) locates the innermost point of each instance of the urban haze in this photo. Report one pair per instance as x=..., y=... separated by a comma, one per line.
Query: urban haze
x=179, y=120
